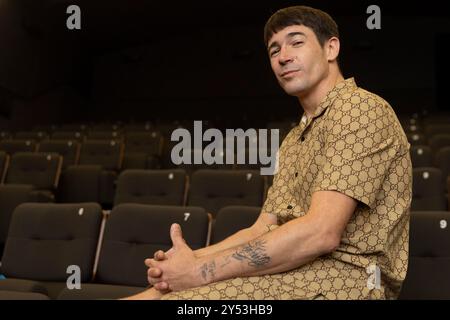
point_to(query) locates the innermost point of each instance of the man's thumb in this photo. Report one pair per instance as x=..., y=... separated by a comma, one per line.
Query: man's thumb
x=176, y=235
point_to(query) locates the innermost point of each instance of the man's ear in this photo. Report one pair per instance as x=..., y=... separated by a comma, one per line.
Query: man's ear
x=332, y=48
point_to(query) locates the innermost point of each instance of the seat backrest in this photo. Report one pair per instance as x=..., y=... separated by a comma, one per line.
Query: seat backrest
x=421, y=156
x=415, y=138
x=149, y=143
x=45, y=239
x=103, y=127
x=135, y=232
x=138, y=127
x=157, y=187
x=42, y=170
x=428, y=274
x=107, y=154
x=428, y=189
x=232, y=219
x=10, y=197
x=439, y=141
x=215, y=189
x=31, y=135
x=68, y=149
x=78, y=127
x=104, y=135
x=442, y=161
x=68, y=135
x=433, y=129
x=14, y=146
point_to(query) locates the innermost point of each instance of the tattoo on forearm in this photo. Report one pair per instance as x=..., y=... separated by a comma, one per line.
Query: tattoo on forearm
x=226, y=261
x=208, y=270
x=254, y=252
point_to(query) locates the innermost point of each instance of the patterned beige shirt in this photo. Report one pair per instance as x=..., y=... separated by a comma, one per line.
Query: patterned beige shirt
x=353, y=144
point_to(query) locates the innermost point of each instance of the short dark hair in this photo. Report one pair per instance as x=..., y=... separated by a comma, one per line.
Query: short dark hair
x=323, y=26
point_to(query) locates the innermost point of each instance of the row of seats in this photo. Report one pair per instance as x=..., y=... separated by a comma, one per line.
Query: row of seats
x=109, y=249
x=143, y=151
x=210, y=189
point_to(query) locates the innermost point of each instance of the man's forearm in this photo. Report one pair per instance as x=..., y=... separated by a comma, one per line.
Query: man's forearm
x=240, y=237
x=285, y=248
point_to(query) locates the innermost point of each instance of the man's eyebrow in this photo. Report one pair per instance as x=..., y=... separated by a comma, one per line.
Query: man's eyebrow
x=289, y=35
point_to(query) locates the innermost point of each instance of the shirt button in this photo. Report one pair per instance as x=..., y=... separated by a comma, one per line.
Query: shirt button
x=304, y=119
x=302, y=138
x=289, y=207
x=296, y=174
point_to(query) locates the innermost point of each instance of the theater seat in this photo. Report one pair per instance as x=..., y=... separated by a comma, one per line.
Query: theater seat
x=428, y=190
x=10, y=197
x=133, y=233
x=157, y=187
x=442, y=161
x=428, y=274
x=13, y=146
x=232, y=219
x=99, y=164
x=31, y=135
x=421, y=156
x=68, y=149
x=215, y=189
x=41, y=170
x=44, y=240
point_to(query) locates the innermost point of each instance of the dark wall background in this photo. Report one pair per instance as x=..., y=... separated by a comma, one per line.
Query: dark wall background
x=145, y=60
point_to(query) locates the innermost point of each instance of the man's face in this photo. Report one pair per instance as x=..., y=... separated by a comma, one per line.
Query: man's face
x=297, y=59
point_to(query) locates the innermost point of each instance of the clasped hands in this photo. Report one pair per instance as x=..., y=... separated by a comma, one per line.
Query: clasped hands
x=175, y=269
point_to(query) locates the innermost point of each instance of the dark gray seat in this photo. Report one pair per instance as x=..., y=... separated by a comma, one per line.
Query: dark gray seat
x=149, y=143
x=156, y=187
x=433, y=129
x=143, y=150
x=133, y=233
x=80, y=184
x=215, y=189
x=13, y=146
x=68, y=149
x=428, y=190
x=68, y=135
x=416, y=138
x=232, y=219
x=421, y=156
x=442, y=161
x=31, y=135
x=10, y=197
x=438, y=142
x=428, y=274
x=104, y=135
x=41, y=170
x=99, y=162
x=105, y=153
x=44, y=240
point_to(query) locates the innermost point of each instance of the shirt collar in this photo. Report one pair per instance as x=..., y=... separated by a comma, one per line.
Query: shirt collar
x=339, y=89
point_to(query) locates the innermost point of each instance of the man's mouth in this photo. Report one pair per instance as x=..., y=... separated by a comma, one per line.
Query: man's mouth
x=289, y=72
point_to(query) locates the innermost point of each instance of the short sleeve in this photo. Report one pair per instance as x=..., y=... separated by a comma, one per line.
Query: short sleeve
x=360, y=146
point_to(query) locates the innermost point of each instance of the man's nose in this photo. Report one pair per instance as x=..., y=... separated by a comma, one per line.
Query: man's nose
x=285, y=56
